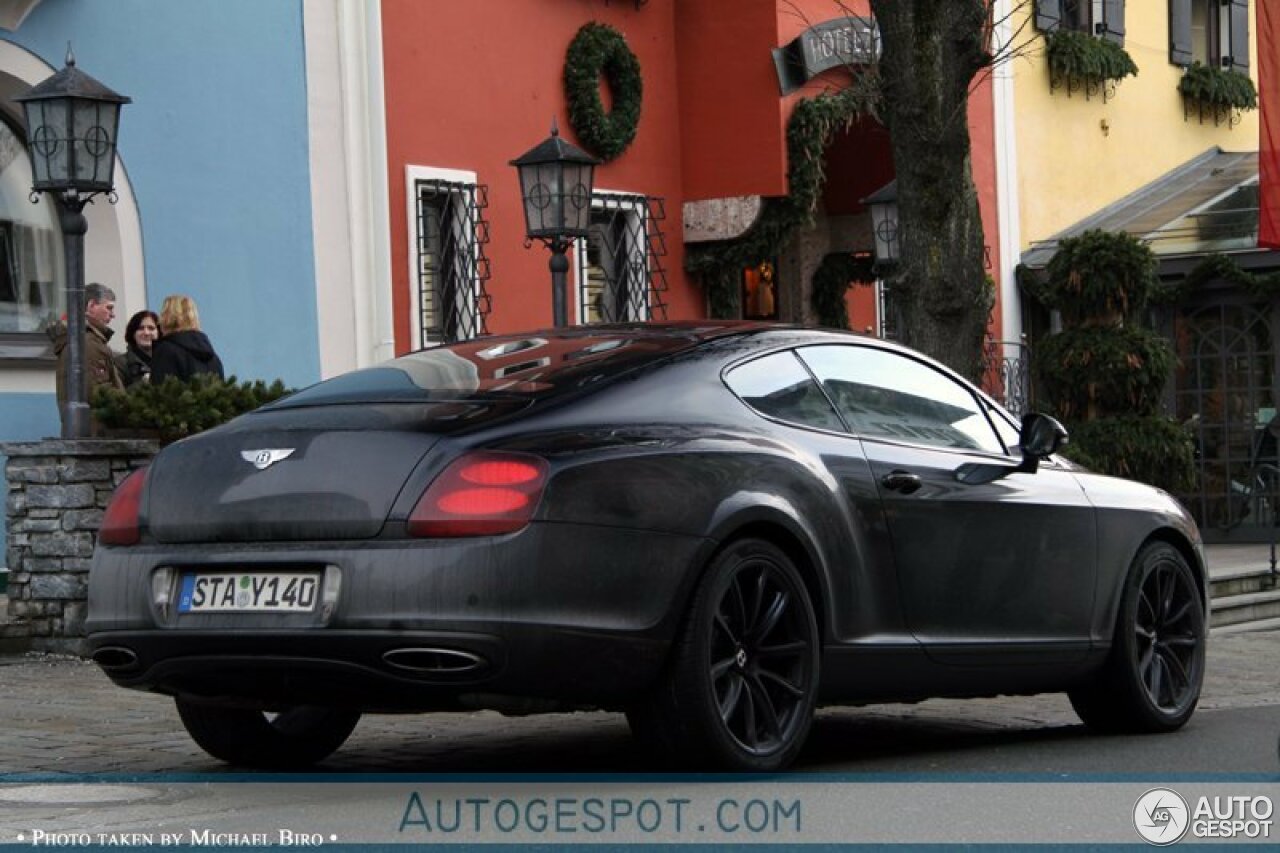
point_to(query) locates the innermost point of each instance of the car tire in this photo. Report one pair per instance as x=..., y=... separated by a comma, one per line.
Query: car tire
x=293, y=738
x=742, y=683
x=1153, y=674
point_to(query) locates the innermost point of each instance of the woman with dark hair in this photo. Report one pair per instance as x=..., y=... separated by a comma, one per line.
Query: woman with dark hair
x=139, y=335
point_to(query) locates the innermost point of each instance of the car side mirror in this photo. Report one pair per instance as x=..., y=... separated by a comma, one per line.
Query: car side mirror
x=1040, y=438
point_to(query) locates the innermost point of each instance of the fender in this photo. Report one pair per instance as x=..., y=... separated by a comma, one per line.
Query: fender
x=744, y=510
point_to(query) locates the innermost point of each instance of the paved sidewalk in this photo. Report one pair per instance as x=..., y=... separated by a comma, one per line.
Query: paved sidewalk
x=61, y=715
x=1229, y=560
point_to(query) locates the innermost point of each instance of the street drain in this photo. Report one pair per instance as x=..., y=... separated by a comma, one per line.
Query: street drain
x=76, y=794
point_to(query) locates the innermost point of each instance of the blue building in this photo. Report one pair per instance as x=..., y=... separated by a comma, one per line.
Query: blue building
x=243, y=114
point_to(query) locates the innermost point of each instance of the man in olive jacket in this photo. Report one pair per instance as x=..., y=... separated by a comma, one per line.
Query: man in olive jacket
x=99, y=362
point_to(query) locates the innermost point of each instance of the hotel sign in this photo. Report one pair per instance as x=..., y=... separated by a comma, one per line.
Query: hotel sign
x=831, y=44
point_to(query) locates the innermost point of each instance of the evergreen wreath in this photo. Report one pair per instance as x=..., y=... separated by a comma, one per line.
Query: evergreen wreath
x=600, y=49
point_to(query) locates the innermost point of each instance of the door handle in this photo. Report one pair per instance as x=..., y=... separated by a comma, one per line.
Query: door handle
x=901, y=481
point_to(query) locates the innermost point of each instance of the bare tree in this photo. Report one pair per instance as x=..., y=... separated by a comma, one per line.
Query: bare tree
x=931, y=50
x=934, y=53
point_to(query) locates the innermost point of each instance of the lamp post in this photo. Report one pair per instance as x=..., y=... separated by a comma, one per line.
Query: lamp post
x=555, y=186
x=884, y=222
x=72, y=121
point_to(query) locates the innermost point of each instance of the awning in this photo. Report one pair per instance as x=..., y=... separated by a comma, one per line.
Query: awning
x=1208, y=204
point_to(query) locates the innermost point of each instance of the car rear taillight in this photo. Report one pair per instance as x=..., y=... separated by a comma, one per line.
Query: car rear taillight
x=481, y=494
x=120, y=521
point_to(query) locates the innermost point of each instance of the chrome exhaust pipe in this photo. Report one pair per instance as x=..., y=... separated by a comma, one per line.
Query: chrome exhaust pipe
x=435, y=661
x=115, y=658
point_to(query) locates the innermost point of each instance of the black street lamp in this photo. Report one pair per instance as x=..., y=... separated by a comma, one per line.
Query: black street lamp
x=72, y=121
x=884, y=222
x=555, y=185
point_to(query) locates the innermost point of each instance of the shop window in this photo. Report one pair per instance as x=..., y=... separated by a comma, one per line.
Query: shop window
x=760, y=292
x=1211, y=32
x=32, y=270
x=1102, y=18
x=620, y=274
x=450, y=266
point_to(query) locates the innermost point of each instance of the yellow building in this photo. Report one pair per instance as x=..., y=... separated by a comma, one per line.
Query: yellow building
x=1140, y=155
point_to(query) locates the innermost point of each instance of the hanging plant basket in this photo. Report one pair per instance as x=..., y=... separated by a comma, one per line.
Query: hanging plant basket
x=1218, y=93
x=1081, y=62
x=598, y=50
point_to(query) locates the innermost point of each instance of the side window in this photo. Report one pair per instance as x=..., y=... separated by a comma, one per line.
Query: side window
x=779, y=386
x=887, y=395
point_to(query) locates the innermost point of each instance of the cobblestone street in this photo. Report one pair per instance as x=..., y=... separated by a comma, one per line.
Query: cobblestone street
x=62, y=715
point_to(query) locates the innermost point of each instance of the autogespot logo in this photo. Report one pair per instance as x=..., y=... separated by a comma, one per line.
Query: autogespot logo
x=1161, y=816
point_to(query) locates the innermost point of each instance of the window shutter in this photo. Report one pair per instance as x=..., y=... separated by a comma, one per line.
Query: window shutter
x=1239, y=59
x=1113, y=21
x=1180, y=32
x=1048, y=15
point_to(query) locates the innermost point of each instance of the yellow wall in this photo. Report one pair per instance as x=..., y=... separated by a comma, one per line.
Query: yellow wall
x=1069, y=166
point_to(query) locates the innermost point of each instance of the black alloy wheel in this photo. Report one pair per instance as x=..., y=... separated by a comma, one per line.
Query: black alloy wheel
x=1152, y=679
x=293, y=738
x=744, y=678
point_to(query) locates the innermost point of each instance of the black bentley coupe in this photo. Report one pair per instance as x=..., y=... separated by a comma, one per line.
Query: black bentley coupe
x=714, y=527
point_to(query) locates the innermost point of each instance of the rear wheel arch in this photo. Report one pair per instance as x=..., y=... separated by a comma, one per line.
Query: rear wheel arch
x=749, y=709
x=795, y=545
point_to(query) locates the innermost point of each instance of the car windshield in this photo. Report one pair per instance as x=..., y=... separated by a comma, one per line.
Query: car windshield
x=529, y=368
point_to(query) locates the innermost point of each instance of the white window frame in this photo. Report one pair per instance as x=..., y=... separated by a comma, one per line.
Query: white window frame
x=605, y=199
x=414, y=174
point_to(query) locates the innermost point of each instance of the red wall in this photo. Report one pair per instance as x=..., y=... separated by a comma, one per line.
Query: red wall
x=983, y=156
x=473, y=85
x=731, y=114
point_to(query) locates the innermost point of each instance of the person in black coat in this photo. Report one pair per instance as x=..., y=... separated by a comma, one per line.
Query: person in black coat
x=139, y=337
x=183, y=350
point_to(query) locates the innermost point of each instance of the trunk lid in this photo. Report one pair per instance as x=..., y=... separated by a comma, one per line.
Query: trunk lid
x=300, y=474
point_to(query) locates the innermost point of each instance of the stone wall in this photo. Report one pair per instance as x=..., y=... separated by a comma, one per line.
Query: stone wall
x=57, y=492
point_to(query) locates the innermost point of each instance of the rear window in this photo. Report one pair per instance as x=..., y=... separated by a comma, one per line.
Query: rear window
x=489, y=369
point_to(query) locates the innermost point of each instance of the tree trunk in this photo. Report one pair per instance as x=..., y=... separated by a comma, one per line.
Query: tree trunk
x=931, y=50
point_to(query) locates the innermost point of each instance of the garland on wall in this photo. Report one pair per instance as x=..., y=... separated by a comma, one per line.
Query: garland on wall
x=596, y=50
x=830, y=281
x=718, y=266
x=1214, y=267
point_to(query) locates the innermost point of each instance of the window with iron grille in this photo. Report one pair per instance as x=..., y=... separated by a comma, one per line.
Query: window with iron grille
x=450, y=263
x=621, y=277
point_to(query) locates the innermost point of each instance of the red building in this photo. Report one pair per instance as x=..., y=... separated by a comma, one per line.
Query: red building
x=470, y=86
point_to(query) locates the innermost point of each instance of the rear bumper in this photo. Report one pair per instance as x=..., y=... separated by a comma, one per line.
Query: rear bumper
x=562, y=612
x=366, y=670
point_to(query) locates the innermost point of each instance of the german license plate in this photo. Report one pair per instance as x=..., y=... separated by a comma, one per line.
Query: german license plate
x=248, y=592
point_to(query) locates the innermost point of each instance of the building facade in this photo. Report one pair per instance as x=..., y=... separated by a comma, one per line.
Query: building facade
x=1149, y=156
